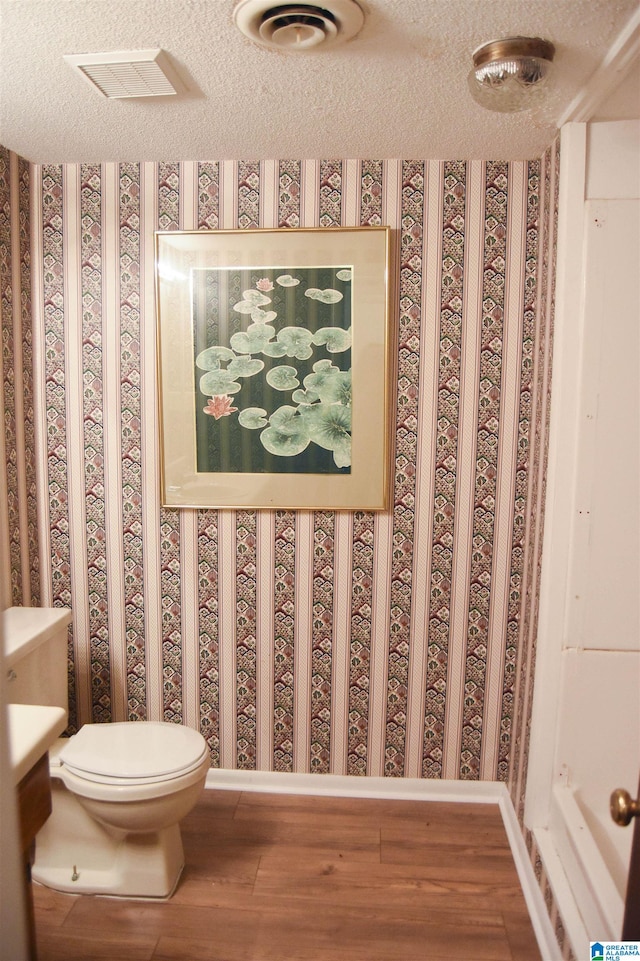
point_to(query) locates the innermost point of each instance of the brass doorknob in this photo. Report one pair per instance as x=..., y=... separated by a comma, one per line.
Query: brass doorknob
x=623, y=807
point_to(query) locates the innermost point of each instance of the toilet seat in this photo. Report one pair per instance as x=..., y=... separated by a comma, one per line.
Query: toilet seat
x=133, y=753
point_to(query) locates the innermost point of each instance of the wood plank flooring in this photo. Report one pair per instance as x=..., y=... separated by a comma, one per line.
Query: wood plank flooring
x=290, y=878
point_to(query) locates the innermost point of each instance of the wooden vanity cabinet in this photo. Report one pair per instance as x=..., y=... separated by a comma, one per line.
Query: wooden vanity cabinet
x=34, y=807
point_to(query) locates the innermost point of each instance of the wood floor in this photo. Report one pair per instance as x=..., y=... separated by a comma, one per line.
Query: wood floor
x=286, y=878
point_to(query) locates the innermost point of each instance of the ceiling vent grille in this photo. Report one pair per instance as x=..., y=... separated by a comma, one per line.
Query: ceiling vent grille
x=298, y=27
x=127, y=74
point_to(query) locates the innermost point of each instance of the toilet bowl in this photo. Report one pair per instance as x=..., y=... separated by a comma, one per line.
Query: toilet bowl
x=119, y=792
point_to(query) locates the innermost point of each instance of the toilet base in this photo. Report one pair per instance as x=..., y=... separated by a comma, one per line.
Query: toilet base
x=121, y=865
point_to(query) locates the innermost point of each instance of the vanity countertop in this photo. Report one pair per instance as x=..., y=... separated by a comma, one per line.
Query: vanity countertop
x=25, y=628
x=32, y=730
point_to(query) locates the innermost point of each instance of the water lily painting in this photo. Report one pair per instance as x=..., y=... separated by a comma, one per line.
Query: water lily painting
x=273, y=367
x=273, y=378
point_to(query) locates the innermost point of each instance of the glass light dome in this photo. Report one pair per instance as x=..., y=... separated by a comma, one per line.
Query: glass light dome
x=510, y=75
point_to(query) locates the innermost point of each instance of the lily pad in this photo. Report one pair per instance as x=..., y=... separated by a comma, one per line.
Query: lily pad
x=253, y=340
x=260, y=316
x=328, y=296
x=344, y=275
x=286, y=280
x=272, y=349
x=283, y=378
x=298, y=342
x=329, y=426
x=342, y=454
x=305, y=397
x=250, y=300
x=255, y=297
x=212, y=357
x=218, y=382
x=287, y=420
x=335, y=389
x=284, y=445
x=321, y=370
x=252, y=417
x=245, y=367
x=336, y=339
x=244, y=307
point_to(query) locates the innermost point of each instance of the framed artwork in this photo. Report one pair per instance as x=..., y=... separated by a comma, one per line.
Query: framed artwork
x=273, y=361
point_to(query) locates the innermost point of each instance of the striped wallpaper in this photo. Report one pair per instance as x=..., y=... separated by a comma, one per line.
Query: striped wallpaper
x=398, y=644
x=394, y=644
x=19, y=564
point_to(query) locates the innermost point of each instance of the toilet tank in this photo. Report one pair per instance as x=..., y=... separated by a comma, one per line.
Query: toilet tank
x=35, y=655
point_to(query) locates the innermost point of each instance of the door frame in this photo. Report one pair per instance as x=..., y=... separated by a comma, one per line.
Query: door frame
x=561, y=473
x=565, y=537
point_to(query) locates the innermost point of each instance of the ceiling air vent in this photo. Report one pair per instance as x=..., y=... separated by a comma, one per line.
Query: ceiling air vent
x=129, y=73
x=298, y=27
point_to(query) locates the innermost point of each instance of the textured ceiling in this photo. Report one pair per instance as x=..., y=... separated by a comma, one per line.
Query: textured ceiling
x=399, y=89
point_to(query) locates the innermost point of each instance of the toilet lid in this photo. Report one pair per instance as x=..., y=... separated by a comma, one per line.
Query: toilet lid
x=133, y=749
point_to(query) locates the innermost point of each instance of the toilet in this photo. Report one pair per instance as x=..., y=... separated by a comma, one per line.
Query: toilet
x=119, y=790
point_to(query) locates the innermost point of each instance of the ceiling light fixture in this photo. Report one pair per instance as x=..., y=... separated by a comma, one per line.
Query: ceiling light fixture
x=510, y=75
x=298, y=27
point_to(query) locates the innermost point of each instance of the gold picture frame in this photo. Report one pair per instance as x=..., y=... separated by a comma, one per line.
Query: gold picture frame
x=273, y=368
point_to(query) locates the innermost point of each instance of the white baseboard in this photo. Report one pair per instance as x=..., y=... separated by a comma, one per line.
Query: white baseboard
x=545, y=935
x=410, y=789
x=562, y=892
x=346, y=785
x=588, y=899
